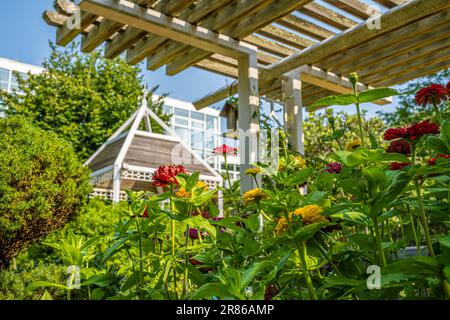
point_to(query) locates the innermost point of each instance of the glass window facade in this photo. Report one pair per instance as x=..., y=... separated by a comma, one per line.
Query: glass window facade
x=4, y=78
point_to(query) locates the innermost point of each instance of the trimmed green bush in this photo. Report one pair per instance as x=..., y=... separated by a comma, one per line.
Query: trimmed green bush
x=42, y=185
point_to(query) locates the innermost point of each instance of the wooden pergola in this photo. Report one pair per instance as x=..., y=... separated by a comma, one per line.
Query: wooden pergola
x=301, y=47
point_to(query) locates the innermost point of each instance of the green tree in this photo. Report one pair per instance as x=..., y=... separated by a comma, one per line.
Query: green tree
x=408, y=111
x=42, y=185
x=84, y=98
x=328, y=131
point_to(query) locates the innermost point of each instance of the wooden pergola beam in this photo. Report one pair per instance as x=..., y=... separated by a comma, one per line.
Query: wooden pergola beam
x=156, y=22
x=241, y=29
x=306, y=27
x=391, y=20
x=327, y=16
x=354, y=7
x=390, y=3
x=215, y=22
x=286, y=37
x=270, y=46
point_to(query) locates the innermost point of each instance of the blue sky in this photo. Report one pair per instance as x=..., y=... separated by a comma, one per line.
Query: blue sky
x=25, y=36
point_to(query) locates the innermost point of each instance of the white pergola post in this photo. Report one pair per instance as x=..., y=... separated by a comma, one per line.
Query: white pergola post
x=293, y=111
x=249, y=112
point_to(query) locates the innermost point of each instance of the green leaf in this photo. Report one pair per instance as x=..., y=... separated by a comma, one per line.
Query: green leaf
x=424, y=266
x=252, y=222
x=438, y=144
x=353, y=216
x=46, y=296
x=97, y=294
x=376, y=94
x=445, y=240
x=102, y=280
x=307, y=232
x=445, y=133
x=41, y=284
x=341, y=100
x=251, y=272
x=211, y=289
x=200, y=222
x=299, y=177
x=384, y=199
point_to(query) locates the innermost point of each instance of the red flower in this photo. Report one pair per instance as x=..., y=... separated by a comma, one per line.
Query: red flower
x=395, y=133
x=165, y=175
x=225, y=150
x=421, y=128
x=399, y=146
x=434, y=93
x=412, y=132
x=399, y=165
x=334, y=167
x=432, y=161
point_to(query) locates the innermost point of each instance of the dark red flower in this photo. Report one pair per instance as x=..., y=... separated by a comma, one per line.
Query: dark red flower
x=448, y=89
x=194, y=262
x=334, y=167
x=399, y=146
x=432, y=161
x=193, y=234
x=412, y=132
x=165, y=175
x=395, y=133
x=398, y=165
x=271, y=291
x=419, y=129
x=225, y=150
x=434, y=93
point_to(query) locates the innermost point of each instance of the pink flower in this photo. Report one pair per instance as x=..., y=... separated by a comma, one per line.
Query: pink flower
x=434, y=93
x=399, y=146
x=334, y=167
x=399, y=165
x=225, y=150
x=165, y=175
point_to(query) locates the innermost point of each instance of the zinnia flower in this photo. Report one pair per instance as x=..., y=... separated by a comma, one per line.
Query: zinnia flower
x=419, y=129
x=299, y=162
x=225, y=150
x=352, y=145
x=399, y=146
x=183, y=194
x=310, y=214
x=253, y=171
x=334, y=167
x=165, y=175
x=412, y=132
x=432, y=161
x=193, y=234
x=254, y=195
x=271, y=291
x=398, y=165
x=434, y=93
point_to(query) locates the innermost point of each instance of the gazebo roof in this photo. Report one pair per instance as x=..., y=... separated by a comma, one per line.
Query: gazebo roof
x=412, y=41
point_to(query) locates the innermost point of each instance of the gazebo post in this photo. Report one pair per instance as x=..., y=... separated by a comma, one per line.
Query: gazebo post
x=293, y=111
x=116, y=182
x=248, y=117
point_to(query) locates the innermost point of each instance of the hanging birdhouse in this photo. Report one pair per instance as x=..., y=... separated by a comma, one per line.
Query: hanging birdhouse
x=230, y=112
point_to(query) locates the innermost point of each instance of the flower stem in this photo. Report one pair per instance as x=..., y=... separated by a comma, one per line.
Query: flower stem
x=172, y=231
x=229, y=183
x=423, y=215
x=358, y=112
x=438, y=113
x=303, y=257
x=381, y=257
x=416, y=239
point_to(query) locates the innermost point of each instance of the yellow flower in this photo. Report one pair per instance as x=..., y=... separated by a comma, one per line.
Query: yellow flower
x=253, y=171
x=299, y=162
x=254, y=195
x=281, y=226
x=310, y=214
x=183, y=194
x=202, y=185
x=352, y=145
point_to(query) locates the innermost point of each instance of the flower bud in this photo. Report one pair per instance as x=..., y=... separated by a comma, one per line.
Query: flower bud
x=353, y=77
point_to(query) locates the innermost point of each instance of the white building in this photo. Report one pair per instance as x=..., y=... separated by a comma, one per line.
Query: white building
x=202, y=130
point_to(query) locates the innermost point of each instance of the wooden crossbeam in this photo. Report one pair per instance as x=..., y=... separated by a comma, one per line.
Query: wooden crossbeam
x=390, y=3
x=130, y=35
x=99, y=33
x=354, y=7
x=391, y=20
x=53, y=18
x=270, y=46
x=219, y=68
x=424, y=31
x=285, y=37
x=156, y=22
x=327, y=16
x=217, y=22
x=306, y=27
x=67, y=32
x=243, y=28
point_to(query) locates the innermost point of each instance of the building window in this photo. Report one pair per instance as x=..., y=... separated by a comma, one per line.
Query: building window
x=4, y=79
x=181, y=112
x=197, y=116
